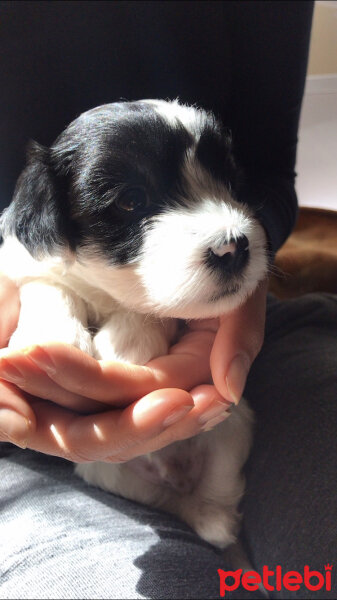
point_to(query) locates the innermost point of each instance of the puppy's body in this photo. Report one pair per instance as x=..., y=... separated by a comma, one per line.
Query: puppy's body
x=128, y=223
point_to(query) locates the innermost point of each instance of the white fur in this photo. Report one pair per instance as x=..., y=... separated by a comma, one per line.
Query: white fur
x=134, y=308
x=209, y=502
x=176, y=114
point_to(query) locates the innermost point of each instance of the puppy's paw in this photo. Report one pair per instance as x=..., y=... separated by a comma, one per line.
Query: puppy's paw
x=133, y=350
x=215, y=524
x=132, y=338
x=104, y=347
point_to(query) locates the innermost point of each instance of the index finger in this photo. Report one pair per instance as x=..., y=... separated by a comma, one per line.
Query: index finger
x=115, y=433
x=186, y=366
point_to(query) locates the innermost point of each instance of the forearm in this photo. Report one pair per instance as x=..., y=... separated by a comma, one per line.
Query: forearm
x=269, y=46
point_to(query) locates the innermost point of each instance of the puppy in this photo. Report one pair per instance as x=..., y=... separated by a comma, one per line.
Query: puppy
x=128, y=223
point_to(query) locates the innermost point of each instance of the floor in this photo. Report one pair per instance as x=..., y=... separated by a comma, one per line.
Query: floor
x=317, y=150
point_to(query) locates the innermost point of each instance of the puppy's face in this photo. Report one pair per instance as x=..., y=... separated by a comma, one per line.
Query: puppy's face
x=143, y=195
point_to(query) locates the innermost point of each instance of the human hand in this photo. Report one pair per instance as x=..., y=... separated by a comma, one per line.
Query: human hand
x=75, y=383
x=72, y=383
x=237, y=343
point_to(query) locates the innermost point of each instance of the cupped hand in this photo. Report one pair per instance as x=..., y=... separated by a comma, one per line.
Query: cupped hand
x=58, y=400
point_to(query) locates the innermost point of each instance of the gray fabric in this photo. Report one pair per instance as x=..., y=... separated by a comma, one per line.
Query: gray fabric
x=291, y=501
x=60, y=538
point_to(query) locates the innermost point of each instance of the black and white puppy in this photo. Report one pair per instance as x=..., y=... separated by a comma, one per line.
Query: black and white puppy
x=128, y=223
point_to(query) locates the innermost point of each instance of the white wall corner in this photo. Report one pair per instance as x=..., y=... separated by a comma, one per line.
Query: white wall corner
x=321, y=84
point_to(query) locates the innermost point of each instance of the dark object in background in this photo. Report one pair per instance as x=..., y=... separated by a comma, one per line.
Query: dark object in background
x=244, y=60
x=59, y=59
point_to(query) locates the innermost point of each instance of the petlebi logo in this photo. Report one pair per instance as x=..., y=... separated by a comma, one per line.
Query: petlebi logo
x=275, y=580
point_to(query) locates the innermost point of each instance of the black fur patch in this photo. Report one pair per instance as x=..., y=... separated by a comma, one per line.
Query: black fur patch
x=69, y=195
x=214, y=153
x=38, y=215
x=124, y=146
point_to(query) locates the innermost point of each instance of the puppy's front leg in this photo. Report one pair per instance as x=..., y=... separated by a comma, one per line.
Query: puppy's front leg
x=134, y=338
x=51, y=313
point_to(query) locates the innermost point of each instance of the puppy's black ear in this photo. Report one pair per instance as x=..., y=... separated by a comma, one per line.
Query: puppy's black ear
x=37, y=215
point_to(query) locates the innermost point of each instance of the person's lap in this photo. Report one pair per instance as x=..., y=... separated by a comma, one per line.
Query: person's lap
x=60, y=538
x=290, y=506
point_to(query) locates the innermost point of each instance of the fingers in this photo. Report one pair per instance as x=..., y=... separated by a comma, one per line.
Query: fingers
x=115, y=435
x=187, y=364
x=17, y=419
x=69, y=377
x=81, y=438
x=209, y=410
x=149, y=424
x=160, y=418
x=237, y=343
x=17, y=368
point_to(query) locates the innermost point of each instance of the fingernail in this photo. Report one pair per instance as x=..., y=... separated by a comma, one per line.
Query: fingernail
x=236, y=377
x=10, y=373
x=42, y=359
x=15, y=427
x=176, y=415
x=213, y=412
x=150, y=410
x=213, y=422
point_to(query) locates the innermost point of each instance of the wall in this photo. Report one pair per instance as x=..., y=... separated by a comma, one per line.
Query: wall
x=317, y=148
x=323, y=47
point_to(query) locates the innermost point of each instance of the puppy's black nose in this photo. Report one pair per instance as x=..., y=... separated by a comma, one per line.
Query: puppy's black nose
x=230, y=257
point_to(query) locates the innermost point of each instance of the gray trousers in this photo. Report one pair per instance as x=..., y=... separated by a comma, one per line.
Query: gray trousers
x=60, y=538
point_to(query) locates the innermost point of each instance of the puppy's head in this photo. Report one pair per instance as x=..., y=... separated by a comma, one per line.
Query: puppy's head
x=142, y=196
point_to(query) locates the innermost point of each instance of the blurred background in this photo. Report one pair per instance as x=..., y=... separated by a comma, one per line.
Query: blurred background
x=317, y=151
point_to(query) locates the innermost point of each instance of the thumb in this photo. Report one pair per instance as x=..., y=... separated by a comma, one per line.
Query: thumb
x=238, y=341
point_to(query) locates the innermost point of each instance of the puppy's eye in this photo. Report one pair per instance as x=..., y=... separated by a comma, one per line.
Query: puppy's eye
x=133, y=200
